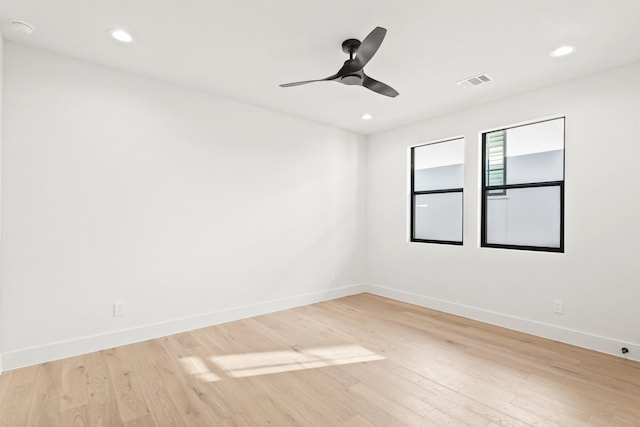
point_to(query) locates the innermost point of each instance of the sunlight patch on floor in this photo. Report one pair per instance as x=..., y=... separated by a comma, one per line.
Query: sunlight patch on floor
x=271, y=362
x=196, y=367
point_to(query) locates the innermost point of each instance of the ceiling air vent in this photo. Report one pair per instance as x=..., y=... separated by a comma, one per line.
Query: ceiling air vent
x=475, y=81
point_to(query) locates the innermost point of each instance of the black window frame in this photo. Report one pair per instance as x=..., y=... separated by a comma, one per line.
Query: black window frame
x=486, y=189
x=414, y=194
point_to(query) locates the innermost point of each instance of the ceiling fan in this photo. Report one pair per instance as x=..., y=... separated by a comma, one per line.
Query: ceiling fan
x=352, y=72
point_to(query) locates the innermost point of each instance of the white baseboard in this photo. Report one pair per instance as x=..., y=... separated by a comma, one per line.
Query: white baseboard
x=59, y=350
x=545, y=330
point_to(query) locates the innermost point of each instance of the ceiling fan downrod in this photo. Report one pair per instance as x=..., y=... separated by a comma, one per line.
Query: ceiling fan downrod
x=350, y=46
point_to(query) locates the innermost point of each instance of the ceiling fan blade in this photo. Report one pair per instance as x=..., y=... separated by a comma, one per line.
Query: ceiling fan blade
x=379, y=87
x=367, y=49
x=308, y=81
x=370, y=45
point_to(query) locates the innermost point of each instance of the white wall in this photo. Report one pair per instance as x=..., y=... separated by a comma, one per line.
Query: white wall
x=596, y=277
x=189, y=208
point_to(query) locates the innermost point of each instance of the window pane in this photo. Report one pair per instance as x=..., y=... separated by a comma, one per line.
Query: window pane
x=534, y=153
x=438, y=217
x=496, y=158
x=439, y=166
x=525, y=217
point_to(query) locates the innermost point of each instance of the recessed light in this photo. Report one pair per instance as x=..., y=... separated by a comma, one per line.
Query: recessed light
x=121, y=35
x=22, y=27
x=367, y=116
x=562, y=51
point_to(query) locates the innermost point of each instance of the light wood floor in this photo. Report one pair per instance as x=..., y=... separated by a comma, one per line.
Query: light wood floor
x=356, y=361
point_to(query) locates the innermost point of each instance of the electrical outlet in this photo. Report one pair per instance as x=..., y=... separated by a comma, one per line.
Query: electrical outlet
x=118, y=309
x=557, y=306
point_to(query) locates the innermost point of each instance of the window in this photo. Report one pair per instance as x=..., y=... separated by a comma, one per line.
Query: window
x=523, y=187
x=437, y=176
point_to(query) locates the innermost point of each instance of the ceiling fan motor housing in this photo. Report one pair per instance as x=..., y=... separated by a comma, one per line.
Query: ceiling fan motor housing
x=351, y=79
x=350, y=46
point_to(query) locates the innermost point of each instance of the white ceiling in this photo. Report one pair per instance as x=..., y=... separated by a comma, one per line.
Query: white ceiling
x=243, y=49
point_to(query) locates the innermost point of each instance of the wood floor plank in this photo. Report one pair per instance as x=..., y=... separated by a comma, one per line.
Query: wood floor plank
x=301, y=402
x=24, y=376
x=75, y=417
x=358, y=421
x=182, y=341
x=45, y=406
x=126, y=384
x=158, y=397
x=271, y=414
x=73, y=391
x=400, y=413
x=14, y=410
x=102, y=406
x=361, y=360
x=5, y=382
x=143, y=421
x=189, y=406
